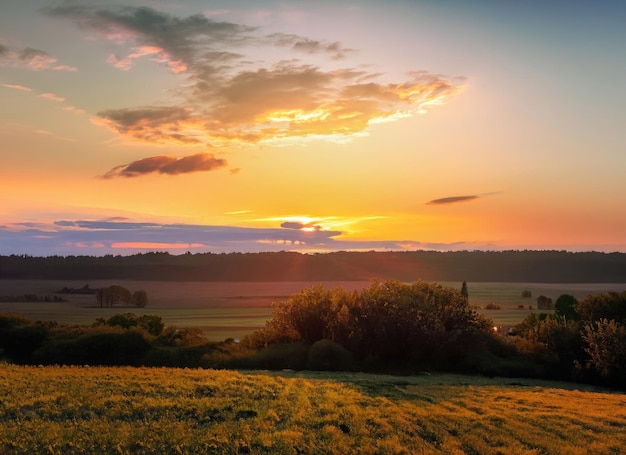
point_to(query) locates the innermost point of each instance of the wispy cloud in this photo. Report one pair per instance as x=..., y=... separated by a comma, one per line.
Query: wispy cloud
x=52, y=97
x=31, y=58
x=457, y=199
x=167, y=165
x=53, y=135
x=452, y=200
x=229, y=96
x=309, y=46
x=18, y=87
x=74, y=109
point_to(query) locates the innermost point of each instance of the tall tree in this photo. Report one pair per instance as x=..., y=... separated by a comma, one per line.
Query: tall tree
x=464, y=291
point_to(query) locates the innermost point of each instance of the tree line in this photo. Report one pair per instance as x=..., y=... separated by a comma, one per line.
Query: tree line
x=507, y=266
x=388, y=326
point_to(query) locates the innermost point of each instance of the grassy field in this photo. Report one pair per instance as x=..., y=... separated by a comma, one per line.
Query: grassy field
x=78, y=410
x=234, y=309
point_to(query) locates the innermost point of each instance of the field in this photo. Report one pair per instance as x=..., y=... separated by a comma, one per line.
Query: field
x=233, y=309
x=61, y=410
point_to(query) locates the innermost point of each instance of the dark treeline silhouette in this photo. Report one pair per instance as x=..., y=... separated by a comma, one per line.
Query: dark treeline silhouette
x=504, y=266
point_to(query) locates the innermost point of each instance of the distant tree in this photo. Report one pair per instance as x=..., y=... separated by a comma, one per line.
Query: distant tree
x=565, y=306
x=140, y=298
x=611, y=305
x=526, y=294
x=544, y=303
x=113, y=295
x=464, y=291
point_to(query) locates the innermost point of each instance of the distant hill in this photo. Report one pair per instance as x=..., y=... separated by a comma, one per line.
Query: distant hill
x=485, y=266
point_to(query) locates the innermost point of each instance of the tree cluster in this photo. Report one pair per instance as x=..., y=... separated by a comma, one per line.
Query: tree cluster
x=387, y=325
x=114, y=295
x=582, y=340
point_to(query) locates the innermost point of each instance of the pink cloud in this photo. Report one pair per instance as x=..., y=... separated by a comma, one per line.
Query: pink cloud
x=18, y=87
x=52, y=97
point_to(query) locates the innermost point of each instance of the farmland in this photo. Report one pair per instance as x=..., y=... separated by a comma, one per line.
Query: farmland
x=233, y=309
x=140, y=410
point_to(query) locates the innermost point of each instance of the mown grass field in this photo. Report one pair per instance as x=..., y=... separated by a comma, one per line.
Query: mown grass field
x=234, y=309
x=65, y=410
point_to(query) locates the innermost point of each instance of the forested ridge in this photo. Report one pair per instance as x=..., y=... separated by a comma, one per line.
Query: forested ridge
x=486, y=266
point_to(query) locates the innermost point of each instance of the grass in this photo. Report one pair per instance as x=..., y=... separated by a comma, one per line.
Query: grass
x=59, y=410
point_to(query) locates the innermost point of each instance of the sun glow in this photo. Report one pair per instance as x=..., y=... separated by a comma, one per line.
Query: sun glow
x=298, y=116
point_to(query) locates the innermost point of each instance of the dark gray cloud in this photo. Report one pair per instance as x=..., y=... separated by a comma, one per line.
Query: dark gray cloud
x=183, y=38
x=29, y=53
x=167, y=165
x=452, y=200
x=293, y=225
x=31, y=58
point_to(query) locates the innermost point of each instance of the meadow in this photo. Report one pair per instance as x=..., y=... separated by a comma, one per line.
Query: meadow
x=75, y=410
x=233, y=309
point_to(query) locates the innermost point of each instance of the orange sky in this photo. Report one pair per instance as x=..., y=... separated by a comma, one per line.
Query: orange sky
x=204, y=126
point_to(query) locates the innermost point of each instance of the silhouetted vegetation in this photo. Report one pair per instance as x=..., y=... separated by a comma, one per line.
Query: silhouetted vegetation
x=31, y=298
x=114, y=295
x=85, y=290
x=583, y=340
x=389, y=326
x=505, y=266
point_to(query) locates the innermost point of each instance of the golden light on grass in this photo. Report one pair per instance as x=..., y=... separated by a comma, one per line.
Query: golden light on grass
x=139, y=410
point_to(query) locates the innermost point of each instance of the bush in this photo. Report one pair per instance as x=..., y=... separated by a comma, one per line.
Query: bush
x=126, y=348
x=19, y=342
x=327, y=355
x=281, y=356
x=606, y=346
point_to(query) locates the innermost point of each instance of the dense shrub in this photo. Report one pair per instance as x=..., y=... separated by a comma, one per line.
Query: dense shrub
x=153, y=325
x=606, y=347
x=329, y=356
x=20, y=339
x=124, y=348
x=281, y=356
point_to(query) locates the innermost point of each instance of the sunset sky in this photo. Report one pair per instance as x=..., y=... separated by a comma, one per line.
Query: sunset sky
x=221, y=126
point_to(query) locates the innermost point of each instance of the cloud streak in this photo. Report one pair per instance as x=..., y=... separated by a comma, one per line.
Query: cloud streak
x=167, y=165
x=452, y=200
x=230, y=97
x=17, y=87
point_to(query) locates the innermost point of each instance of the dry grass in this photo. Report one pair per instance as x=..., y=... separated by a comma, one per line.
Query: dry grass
x=128, y=410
